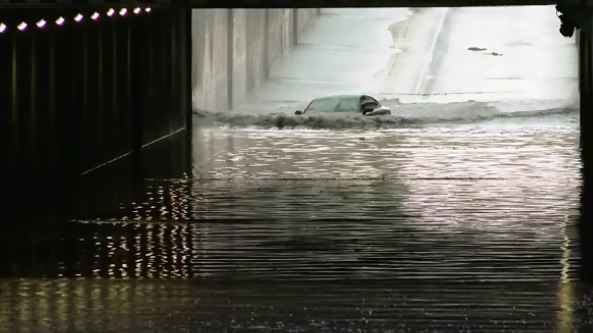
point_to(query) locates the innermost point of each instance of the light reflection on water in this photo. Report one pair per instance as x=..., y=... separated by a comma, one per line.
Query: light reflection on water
x=490, y=201
x=481, y=202
x=182, y=306
x=467, y=226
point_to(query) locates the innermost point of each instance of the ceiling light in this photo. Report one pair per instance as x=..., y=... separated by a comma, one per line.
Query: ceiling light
x=22, y=26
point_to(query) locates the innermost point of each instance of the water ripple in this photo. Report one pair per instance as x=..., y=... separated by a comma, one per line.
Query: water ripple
x=475, y=202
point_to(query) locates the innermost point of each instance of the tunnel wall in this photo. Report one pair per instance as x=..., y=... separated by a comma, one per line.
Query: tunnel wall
x=76, y=96
x=209, y=56
x=585, y=40
x=234, y=50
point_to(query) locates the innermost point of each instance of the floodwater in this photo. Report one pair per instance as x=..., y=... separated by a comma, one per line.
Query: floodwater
x=459, y=225
x=458, y=216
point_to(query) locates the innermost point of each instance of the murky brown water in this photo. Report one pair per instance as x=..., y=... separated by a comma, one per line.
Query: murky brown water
x=452, y=226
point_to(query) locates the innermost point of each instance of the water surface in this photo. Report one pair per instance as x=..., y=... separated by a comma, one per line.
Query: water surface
x=444, y=224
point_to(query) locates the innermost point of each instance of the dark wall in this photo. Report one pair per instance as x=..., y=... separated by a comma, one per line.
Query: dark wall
x=76, y=96
x=585, y=40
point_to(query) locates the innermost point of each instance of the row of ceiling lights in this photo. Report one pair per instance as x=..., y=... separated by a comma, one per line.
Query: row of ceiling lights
x=22, y=26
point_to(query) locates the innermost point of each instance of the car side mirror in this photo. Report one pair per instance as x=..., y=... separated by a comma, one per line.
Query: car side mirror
x=298, y=112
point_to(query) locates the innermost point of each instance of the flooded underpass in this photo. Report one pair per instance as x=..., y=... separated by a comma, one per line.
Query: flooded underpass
x=449, y=216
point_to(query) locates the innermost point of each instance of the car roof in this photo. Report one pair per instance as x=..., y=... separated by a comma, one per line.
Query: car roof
x=339, y=96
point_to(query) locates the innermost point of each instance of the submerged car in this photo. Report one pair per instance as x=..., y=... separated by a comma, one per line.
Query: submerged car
x=363, y=104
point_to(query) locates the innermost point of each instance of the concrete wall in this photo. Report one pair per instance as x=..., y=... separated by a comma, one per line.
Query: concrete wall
x=234, y=49
x=305, y=17
x=256, y=56
x=209, y=57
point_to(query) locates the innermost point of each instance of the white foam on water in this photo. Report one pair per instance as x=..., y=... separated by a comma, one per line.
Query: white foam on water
x=403, y=114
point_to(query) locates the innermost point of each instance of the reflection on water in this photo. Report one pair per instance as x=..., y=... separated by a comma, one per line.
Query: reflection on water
x=489, y=201
x=472, y=225
x=475, y=202
x=183, y=306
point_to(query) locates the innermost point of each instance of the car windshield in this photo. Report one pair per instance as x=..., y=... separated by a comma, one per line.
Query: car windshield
x=335, y=104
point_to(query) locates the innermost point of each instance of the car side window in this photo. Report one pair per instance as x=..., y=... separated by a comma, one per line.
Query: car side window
x=367, y=103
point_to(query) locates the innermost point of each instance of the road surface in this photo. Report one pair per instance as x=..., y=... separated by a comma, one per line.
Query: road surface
x=430, y=54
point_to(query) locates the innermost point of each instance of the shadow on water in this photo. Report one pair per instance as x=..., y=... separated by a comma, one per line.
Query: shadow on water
x=39, y=239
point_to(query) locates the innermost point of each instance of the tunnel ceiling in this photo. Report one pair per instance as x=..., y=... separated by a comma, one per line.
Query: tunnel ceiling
x=278, y=3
